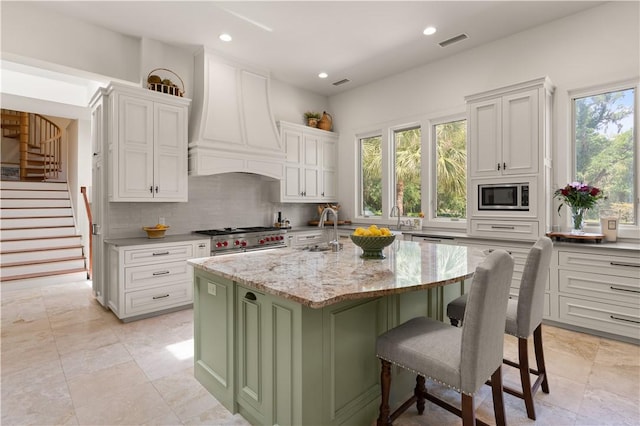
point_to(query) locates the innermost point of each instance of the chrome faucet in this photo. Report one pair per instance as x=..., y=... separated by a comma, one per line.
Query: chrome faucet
x=334, y=244
x=397, y=209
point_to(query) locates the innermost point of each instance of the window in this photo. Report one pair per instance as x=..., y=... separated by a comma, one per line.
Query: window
x=606, y=150
x=450, y=140
x=407, y=164
x=371, y=176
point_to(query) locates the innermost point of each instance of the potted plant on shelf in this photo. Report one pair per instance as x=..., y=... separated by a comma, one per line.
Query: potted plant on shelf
x=312, y=118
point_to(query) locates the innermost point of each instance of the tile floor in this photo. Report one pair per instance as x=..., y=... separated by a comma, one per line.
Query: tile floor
x=66, y=360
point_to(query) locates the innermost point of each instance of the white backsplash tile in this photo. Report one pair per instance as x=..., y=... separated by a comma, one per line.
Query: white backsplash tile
x=218, y=201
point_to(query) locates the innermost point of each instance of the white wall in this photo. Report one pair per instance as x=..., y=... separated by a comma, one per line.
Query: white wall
x=600, y=45
x=290, y=103
x=41, y=35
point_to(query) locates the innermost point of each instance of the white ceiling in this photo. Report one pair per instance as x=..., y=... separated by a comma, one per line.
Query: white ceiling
x=362, y=41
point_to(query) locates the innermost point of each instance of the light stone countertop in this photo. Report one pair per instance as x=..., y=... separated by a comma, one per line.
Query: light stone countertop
x=139, y=241
x=317, y=279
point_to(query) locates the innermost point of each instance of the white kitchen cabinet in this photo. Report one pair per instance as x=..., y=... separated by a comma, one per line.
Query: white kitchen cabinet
x=504, y=135
x=509, y=141
x=310, y=164
x=598, y=290
x=146, y=144
x=302, y=239
x=149, y=278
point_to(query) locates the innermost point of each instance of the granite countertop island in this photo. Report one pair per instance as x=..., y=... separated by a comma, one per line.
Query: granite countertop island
x=287, y=336
x=318, y=279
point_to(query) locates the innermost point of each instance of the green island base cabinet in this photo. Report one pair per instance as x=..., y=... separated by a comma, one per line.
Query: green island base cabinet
x=293, y=365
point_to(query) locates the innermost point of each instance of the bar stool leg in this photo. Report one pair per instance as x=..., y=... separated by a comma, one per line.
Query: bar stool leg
x=419, y=392
x=523, y=360
x=468, y=411
x=385, y=384
x=537, y=345
x=498, y=399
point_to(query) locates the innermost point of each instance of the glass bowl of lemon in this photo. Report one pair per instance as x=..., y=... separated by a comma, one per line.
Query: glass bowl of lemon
x=372, y=240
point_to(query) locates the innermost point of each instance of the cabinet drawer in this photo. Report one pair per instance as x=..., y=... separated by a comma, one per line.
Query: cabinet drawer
x=136, y=277
x=600, y=316
x=613, y=265
x=507, y=229
x=155, y=299
x=614, y=289
x=158, y=254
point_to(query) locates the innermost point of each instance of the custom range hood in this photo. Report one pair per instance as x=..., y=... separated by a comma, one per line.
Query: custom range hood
x=232, y=128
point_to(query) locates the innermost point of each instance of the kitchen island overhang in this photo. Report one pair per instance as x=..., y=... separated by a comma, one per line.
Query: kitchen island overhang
x=287, y=336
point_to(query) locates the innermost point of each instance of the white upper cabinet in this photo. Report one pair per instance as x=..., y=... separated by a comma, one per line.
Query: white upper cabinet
x=146, y=144
x=310, y=166
x=232, y=129
x=504, y=134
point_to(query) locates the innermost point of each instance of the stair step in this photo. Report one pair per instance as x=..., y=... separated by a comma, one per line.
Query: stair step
x=41, y=186
x=15, y=212
x=11, y=126
x=36, y=222
x=16, y=234
x=30, y=194
x=39, y=243
x=38, y=267
x=42, y=280
x=40, y=203
x=25, y=256
x=10, y=117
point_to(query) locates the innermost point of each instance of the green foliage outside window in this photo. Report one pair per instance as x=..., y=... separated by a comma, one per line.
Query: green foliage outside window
x=604, y=151
x=451, y=169
x=371, y=169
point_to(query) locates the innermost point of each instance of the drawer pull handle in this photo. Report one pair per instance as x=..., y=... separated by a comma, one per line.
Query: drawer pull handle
x=250, y=296
x=311, y=236
x=160, y=297
x=431, y=240
x=623, y=289
x=632, y=265
x=160, y=253
x=624, y=319
x=202, y=246
x=161, y=273
x=502, y=227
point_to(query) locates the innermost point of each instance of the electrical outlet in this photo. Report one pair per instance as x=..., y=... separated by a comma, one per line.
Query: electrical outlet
x=161, y=220
x=211, y=289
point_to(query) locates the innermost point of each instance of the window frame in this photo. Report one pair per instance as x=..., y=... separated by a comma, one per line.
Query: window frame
x=359, y=197
x=624, y=230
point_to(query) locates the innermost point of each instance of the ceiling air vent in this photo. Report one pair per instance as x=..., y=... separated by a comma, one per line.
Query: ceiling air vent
x=453, y=40
x=343, y=81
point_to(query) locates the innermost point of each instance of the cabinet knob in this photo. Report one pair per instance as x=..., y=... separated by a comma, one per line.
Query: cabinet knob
x=156, y=189
x=504, y=166
x=151, y=189
x=498, y=166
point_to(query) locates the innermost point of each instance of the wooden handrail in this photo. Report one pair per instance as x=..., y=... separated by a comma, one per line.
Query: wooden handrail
x=87, y=207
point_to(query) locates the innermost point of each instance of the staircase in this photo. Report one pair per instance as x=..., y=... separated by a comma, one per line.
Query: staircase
x=38, y=241
x=34, y=145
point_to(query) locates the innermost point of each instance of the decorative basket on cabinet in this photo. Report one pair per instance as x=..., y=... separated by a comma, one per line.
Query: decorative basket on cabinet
x=157, y=83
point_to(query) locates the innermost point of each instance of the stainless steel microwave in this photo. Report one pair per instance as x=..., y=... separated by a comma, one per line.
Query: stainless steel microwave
x=504, y=196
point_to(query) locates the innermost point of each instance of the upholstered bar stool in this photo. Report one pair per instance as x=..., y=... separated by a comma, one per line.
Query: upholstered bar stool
x=524, y=318
x=461, y=358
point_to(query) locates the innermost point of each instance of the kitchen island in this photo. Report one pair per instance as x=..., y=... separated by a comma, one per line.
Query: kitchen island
x=287, y=336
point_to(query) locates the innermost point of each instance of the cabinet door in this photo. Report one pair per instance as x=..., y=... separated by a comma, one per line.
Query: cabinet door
x=170, y=155
x=253, y=352
x=292, y=140
x=329, y=169
x=311, y=184
x=521, y=133
x=485, y=138
x=133, y=171
x=292, y=185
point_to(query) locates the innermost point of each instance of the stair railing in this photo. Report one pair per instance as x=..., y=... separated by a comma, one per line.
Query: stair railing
x=47, y=137
x=87, y=207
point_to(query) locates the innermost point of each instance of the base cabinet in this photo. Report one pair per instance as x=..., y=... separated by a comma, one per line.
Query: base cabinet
x=599, y=291
x=150, y=278
x=277, y=362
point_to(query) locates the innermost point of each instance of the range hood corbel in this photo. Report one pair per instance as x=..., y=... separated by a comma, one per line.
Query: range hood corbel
x=232, y=128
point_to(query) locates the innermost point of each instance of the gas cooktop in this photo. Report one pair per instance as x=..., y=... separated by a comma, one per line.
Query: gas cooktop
x=229, y=231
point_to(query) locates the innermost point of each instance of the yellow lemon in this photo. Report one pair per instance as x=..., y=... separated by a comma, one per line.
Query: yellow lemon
x=385, y=231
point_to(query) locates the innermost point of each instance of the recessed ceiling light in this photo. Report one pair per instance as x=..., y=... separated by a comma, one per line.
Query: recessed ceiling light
x=225, y=37
x=429, y=31
x=323, y=75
